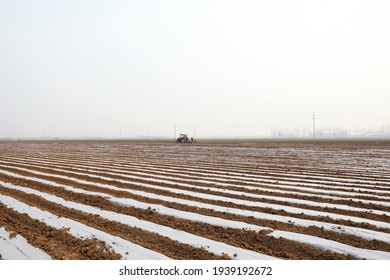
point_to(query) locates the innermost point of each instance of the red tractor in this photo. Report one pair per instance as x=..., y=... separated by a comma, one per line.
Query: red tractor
x=184, y=139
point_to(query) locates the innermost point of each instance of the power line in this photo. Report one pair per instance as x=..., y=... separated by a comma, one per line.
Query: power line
x=314, y=126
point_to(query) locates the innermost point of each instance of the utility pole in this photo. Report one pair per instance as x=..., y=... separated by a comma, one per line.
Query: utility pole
x=314, y=126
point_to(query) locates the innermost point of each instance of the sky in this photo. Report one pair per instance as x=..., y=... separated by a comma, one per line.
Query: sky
x=212, y=68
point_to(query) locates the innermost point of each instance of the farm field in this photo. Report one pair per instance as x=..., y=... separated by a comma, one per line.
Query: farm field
x=210, y=200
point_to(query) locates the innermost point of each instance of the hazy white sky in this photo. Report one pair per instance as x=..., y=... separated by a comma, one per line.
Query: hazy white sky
x=242, y=68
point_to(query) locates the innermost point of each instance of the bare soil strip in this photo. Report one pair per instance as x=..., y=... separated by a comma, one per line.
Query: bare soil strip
x=196, y=228
x=245, y=239
x=371, y=196
x=335, y=186
x=265, y=157
x=59, y=244
x=303, y=196
x=355, y=174
x=197, y=173
x=257, y=168
x=13, y=246
x=74, y=173
x=146, y=239
x=229, y=204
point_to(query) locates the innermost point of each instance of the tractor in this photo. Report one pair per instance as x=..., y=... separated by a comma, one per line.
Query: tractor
x=183, y=138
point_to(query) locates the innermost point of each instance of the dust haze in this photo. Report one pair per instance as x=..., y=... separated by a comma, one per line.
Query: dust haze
x=125, y=69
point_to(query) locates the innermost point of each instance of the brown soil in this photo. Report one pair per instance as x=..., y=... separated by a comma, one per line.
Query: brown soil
x=246, y=238
x=262, y=190
x=256, y=241
x=220, y=203
x=59, y=244
x=146, y=239
x=355, y=241
x=178, y=172
x=331, y=160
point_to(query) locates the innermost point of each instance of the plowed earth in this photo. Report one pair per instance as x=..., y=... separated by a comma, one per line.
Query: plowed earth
x=333, y=194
